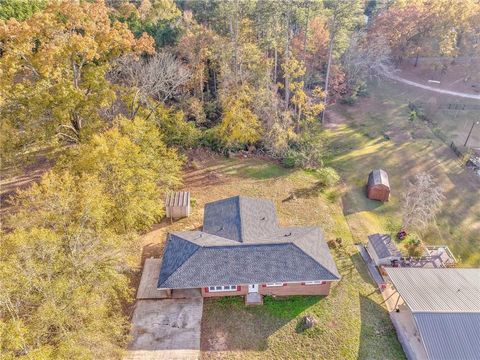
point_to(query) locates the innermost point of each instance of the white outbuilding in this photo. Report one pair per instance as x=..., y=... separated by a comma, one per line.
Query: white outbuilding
x=177, y=204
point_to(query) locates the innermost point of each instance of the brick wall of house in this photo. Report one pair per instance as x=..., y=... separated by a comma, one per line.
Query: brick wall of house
x=295, y=289
x=241, y=290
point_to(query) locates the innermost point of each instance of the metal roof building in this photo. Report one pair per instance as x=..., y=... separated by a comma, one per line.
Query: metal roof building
x=445, y=305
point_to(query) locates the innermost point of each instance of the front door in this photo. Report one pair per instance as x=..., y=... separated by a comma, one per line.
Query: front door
x=253, y=288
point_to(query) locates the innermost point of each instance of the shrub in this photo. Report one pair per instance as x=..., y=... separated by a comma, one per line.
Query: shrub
x=305, y=152
x=413, y=245
x=327, y=176
x=350, y=100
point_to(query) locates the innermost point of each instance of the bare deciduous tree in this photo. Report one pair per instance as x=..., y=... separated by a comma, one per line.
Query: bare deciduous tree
x=161, y=77
x=422, y=201
x=366, y=59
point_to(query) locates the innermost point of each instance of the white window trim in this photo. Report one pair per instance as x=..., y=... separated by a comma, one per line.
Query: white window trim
x=277, y=284
x=315, y=282
x=224, y=288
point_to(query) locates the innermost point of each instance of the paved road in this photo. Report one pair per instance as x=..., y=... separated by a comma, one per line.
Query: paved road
x=431, y=88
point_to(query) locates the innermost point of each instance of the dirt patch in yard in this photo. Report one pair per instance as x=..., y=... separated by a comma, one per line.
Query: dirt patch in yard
x=13, y=178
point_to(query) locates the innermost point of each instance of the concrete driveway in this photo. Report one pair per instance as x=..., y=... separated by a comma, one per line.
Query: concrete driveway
x=165, y=328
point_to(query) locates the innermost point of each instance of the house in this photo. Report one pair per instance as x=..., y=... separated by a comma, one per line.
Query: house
x=378, y=186
x=177, y=204
x=443, y=306
x=241, y=250
x=382, y=249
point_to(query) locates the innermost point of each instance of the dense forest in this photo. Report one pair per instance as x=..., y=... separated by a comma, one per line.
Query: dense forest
x=118, y=92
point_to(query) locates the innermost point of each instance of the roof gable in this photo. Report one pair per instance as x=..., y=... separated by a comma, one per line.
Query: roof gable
x=240, y=218
x=177, y=252
x=222, y=218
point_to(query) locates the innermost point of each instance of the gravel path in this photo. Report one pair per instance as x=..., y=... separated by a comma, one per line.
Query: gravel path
x=426, y=87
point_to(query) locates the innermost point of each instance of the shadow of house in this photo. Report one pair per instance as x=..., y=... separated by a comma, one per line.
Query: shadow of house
x=376, y=332
x=228, y=325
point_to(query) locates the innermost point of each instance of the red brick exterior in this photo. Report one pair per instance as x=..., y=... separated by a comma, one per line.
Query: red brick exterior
x=296, y=289
x=285, y=290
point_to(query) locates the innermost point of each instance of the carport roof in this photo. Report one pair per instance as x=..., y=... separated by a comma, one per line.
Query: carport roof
x=445, y=305
x=438, y=290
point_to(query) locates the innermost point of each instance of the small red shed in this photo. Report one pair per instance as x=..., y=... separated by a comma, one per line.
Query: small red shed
x=378, y=186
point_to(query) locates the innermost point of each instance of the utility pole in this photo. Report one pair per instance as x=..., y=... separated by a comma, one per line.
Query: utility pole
x=470, y=132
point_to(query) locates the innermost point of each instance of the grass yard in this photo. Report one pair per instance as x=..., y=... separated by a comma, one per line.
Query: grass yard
x=353, y=323
x=450, y=125
x=359, y=144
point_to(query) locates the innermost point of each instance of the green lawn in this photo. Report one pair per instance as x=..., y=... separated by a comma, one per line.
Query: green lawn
x=352, y=322
x=450, y=125
x=360, y=145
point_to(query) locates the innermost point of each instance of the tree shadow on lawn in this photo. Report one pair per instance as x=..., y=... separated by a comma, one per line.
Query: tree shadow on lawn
x=228, y=324
x=355, y=200
x=377, y=334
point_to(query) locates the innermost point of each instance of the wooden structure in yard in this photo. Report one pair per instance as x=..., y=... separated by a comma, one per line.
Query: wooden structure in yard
x=177, y=204
x=378, y=186
x=382, y=249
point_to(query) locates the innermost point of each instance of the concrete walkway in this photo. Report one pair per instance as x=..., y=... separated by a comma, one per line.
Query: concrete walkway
x=372, y=269
x=404, y=325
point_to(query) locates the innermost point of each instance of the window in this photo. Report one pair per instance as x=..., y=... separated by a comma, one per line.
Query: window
x=315, y=282
x=222, y=288
x=274, y=284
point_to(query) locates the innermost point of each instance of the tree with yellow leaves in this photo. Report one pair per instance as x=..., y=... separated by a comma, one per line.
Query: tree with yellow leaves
x=239, y=126
x=53, y=67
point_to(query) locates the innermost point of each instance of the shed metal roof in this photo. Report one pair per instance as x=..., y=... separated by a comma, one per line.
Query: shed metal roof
x=438, y=290
x=378, y=177
x=383, y=246
x=450, y=336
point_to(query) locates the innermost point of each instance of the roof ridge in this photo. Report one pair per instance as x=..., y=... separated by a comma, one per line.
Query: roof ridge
x=299, y=248
x=183, y=263
x=240, y=217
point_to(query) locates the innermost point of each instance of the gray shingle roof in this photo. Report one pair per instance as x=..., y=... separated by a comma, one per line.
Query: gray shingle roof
x=240, y=218
x=383, y=245
x=244, y=246
x=378, y=177
x=445, y=304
